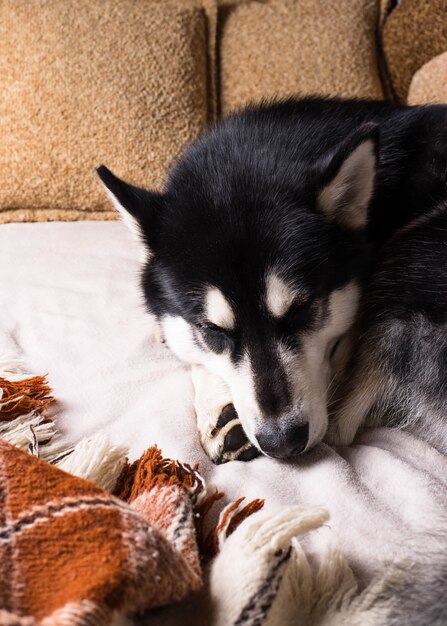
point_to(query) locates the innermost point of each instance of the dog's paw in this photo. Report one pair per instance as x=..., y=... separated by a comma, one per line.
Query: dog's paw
x=226, y=440
x=221, y=434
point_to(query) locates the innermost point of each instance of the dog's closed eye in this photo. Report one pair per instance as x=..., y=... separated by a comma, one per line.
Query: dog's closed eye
x=212, y=328
x=217, y=338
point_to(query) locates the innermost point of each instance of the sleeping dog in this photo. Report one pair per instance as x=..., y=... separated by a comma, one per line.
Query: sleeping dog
x=271, y=229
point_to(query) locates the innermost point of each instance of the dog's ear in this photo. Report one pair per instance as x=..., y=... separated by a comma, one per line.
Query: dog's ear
x=349, y=178
x=137, y=207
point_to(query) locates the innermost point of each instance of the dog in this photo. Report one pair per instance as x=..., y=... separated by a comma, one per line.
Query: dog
x=258, y=253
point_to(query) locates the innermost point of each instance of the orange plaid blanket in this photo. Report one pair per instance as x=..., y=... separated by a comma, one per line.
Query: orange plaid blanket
x=73, y=553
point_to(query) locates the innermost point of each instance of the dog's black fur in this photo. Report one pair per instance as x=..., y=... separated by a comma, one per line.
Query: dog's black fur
x=245, y=195
x=252, y=179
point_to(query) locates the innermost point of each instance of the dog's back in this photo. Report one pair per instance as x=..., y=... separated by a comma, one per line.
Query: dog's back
x=399, y=373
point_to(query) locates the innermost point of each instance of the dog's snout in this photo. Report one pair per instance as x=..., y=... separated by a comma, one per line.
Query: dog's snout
x=283, y=442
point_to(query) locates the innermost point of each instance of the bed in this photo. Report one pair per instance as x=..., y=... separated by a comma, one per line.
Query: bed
x=71, y=307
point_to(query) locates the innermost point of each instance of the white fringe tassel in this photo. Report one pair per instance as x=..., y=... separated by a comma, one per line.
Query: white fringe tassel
x=96, y=459
x=93, y=458
x=262, y=575
x=10, y=366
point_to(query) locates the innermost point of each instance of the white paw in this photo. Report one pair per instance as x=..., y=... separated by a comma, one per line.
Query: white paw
x=226, y=440
x=220, y=431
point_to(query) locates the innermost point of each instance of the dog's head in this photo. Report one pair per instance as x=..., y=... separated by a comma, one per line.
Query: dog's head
x=254, y=272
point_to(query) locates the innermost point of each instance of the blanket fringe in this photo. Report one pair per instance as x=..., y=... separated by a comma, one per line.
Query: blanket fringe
x=230, y=518
x=11, y=366
x=19, y=397
x=152, y=469
x=276, y=583
x=96, y=459
x=332, y=596
x=23, y=402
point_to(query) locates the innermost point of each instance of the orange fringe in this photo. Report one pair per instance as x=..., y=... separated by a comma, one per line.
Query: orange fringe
x=240, y=516
x=152, y=470
x=235, y=518
x=20, y=397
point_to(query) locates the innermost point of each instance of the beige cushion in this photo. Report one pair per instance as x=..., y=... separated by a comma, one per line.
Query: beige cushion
x=285, y=47
x=429, y=84
x=414, y=33
x=120, y=82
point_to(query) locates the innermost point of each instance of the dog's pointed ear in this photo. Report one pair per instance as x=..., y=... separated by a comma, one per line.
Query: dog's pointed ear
x=137, y=207
x=349, y=178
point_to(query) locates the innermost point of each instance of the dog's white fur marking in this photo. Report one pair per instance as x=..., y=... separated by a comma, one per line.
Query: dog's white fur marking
x=242, y=384
x=278, y=295
x=218, y=310
x=132, y=224
x=343, y=304
x=308, y=372
x=179, y=337
x=347, y=196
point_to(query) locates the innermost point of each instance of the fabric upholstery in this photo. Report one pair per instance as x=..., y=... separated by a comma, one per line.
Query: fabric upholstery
x=122, y=82
x=282, y=48
x=429, y=84
x=413, y=33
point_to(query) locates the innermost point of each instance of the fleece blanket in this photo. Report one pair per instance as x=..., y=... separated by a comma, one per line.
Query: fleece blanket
x=70, y=306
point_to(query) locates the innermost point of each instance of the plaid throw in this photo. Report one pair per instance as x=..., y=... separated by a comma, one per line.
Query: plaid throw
x=71, y=552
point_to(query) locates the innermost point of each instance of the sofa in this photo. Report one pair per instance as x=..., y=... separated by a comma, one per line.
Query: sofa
x=128, y=83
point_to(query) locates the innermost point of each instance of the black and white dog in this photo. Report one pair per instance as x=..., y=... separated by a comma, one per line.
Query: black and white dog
x=259, y=250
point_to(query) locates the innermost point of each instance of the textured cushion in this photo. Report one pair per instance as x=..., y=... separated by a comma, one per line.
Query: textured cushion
x=122, y=82
x=414, y=33
x=429, y=84
x=284, y=47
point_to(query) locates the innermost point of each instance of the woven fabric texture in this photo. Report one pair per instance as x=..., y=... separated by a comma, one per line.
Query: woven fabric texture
x=429, y=84
x=414, y=33
x=283, y=47
x=123, y=82
x=72, y=554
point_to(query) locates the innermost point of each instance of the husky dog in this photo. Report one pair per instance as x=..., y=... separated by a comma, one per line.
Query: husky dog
x=258, y=251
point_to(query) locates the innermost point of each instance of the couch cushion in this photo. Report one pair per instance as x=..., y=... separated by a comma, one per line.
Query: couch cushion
x=283, y=47
x=122, y=82
x=429, y=84
x=414, y=32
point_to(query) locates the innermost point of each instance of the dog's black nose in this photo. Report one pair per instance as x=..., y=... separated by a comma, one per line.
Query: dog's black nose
x=283, y=443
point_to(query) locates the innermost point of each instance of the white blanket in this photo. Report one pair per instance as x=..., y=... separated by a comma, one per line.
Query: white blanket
x=70, y=304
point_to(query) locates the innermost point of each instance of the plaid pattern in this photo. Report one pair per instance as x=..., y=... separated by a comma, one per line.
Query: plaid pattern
x=72, y=553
